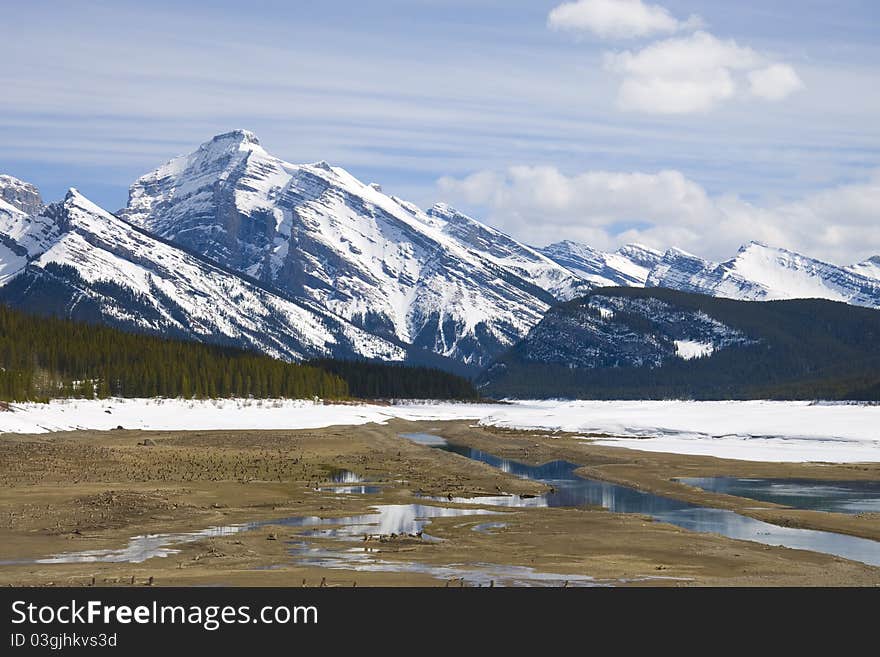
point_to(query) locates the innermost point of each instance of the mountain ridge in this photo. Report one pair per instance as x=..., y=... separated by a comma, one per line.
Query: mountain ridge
x=97, y=267
x=330, y=266
x=657, y=343
x=381, y=263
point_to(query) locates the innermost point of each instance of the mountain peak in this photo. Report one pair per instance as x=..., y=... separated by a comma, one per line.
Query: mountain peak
x=566, y=243
x=758, y=246
x=442, y=210
x=640, y=248
x=761, y=250
x=223, y=145
x=20, y=194
x=11, y=181
x=675, y=252
x=240, y=136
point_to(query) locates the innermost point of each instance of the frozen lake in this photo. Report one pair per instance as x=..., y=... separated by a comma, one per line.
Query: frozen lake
x=751, y=430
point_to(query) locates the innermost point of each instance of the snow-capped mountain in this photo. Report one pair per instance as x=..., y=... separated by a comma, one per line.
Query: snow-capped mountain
x=626, y=267
x=762, y=273
x=869, y=268
x=232, y=244
x=23, y=232
x=524, y=261
x=437, y=280
x=77, y=260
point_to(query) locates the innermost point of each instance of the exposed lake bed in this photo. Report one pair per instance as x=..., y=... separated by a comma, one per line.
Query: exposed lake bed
x=96, y=490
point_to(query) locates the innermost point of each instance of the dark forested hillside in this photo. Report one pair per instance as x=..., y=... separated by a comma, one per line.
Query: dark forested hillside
x=43, y=358
x=370, y=380
x=627, y=343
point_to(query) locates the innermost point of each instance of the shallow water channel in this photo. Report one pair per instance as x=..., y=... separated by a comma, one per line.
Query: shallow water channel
x=573, y=490
x=835, y=496
x=346, y=549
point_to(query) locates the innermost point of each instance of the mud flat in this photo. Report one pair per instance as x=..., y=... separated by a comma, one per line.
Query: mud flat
x=322, y=506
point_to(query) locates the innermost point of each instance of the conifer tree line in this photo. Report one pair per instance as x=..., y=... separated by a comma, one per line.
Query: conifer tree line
x=804, y=349
x=43, y=358
x=371, y=380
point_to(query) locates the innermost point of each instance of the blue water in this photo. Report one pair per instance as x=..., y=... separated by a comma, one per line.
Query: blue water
x=832, y=496
x=569, y=490
x=572, y=490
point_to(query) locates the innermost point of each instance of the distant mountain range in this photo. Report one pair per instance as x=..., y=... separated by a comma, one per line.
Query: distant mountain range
x=230, y=244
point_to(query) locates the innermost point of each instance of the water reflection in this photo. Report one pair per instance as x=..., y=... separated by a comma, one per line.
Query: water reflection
x=346, y=482
x=385, y=519
x=570, y=490
x=832, y=496
x=141, y=548
x=477, y=574
x=339, y=476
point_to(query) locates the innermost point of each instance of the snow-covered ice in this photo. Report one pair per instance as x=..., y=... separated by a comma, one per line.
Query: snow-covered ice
x=752, y=430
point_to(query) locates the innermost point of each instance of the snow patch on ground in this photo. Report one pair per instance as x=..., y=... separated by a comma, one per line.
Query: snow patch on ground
x=752, y=430
x=690, y=349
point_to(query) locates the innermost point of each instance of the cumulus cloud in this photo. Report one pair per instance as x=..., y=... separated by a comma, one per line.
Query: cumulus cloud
x=696, y=73
x=680, y=75
x=617, y=19
x=686, y=74
x=775, y=82
x=663, y=209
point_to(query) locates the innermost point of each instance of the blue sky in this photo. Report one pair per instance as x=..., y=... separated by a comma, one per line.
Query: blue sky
x=547, y=128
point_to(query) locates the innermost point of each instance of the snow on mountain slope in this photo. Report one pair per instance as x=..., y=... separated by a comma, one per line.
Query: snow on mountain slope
x=13, y=256
x=528, y=263
x=869, y=268
x=762, y=273
x=627, y=267
x=317, y=232
x=23, y=233
x=98, y=267
x=607, y=331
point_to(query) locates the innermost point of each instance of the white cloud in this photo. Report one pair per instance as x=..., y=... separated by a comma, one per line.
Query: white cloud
x=695, y=54
x=695, y=73
x=617, y=19
x=664, y=209
x=665, y=95
x=775, y=82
